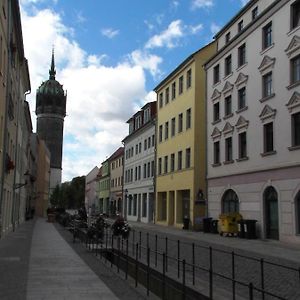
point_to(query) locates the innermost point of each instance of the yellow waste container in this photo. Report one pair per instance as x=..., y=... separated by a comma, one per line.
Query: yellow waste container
x=228, y=223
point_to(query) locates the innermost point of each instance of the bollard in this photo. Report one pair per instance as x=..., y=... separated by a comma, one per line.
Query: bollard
x=210, y=274
x=193, y=262
x=156, y=250
x=262, y=277
x=178, y=258
x=183, y=279
x=136, y=264
x=148, y=270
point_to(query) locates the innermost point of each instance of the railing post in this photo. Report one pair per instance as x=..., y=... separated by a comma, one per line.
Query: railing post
x=250, y=291
x=126, y=272
x=118, y=254
x=156, y=250
x=140, y=245
x=183, y=279
x=147, y=240
x=112, y=251
x=136, y=264
x=193, y=262
x=164, y=276
x=262, y=277
x=178, y=258
x=210, y=274
x=233, y=274
x=148, y=270
x=166, y=254
x=133, y=241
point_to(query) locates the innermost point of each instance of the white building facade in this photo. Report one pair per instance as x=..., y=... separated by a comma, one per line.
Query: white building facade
x=91, y=197
x=139, y=167
x=253, y=118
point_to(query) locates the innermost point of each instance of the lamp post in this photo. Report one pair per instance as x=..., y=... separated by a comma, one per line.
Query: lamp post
x=125, y=204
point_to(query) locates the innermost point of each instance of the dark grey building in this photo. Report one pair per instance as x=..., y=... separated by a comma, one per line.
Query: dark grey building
x=51, y=111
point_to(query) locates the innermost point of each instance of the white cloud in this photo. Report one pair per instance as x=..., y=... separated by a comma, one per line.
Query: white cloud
x=100, y=98
x=109, y=32
x=196, y=28
x=214, y=28
x=168, y=38
x=201, y=4
x=147, y=61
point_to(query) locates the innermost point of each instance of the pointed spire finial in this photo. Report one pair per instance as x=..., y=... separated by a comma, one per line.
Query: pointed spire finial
x=52, y=71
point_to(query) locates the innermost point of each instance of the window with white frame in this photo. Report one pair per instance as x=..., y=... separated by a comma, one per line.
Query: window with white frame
x=138, y=122
x=295, y=69
x=167, y=95
x=268, y=138
x=217, y=152
x=189, y=78
x=267, y=89
x=228, y=65
x=147, y=115
x=216, y=72
x=267, y=36
x=295, y=14
x=216, y=112
x=228, y=149
x=242, y=145
x=241, y=55
x=228, y=106
x=242, y=98
x=180, y=89
x=296, y=129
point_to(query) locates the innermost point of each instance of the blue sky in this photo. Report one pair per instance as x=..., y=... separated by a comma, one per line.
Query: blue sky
x=109, y=57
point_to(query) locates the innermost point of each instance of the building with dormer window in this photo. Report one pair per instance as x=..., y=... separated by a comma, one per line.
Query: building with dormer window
x=139, y=167
x=253, y=118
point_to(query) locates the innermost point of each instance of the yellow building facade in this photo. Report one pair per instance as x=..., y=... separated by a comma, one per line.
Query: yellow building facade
x=181, y=143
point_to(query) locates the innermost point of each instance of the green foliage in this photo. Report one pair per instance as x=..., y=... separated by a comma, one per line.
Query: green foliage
x=69, y=194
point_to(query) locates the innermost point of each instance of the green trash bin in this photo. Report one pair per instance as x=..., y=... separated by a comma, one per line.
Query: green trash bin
x=214, y=226
x=207, y=225
x=241, y=229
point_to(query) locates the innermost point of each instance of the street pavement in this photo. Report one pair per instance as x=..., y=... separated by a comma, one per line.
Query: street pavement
x=39, y=261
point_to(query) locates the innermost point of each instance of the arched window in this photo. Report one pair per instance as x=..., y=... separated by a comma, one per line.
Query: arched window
x=230, y=202
x=271, y=213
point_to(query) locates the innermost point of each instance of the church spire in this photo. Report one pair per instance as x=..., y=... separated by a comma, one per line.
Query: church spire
x=52, y=71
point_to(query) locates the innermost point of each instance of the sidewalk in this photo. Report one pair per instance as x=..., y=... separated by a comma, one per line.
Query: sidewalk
x=265, y=248
x=57, y=272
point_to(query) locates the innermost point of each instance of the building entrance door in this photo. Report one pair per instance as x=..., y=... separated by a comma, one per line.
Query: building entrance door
x=271, y=213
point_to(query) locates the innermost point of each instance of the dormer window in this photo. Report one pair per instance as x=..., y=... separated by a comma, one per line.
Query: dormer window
x=130, y=127
x=254, y=13
x=240, y=25
x=147, y=115
x=138, y=122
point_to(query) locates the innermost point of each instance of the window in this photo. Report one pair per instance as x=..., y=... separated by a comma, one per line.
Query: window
x=167, y=95
x=241, y=98
x=267, y=85
x=138, y=122
x=295, y=69
x=296, y=129
x=166, y=130
x=153, y=140
x=159, y=166
x=152, y=168
x=136, y=174
x=228, y=106
x=145, y=144
x=230, y=202
x=188, y=118
x=179, y=165
x=147, y=115
x=134, y=204
x=228, y=68
x=189, y=78
x=188, y=158
x=161, y=99
x=243, y=145
x=180, y=118
x=145, y=170
x=166, y=164
x=149, y=142
x=173, y=90
x=268, y=137
x=227, y=37
x=267, y=36
x=242, y=55
x=172, y=162
x=240, y=25
x=140, y=147
x=160, y=133
x=139, y=172
x=180, y=85
x=228, y=149
x=144, y=211
x=173, y=122
x=148, y=169
x=216, y=152
x=216, y=74
x=254, y=13
x=216, y=111
x=295, y=14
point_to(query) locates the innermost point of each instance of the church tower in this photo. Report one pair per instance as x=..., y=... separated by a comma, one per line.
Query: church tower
x=51, y=111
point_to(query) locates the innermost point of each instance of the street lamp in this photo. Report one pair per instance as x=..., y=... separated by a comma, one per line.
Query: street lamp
x=26, y=174
x=125, y=204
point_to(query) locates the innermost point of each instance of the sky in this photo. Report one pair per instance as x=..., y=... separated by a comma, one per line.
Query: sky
x=109, y=56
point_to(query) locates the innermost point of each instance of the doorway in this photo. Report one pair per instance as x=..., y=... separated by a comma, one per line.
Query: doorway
x=271, y=213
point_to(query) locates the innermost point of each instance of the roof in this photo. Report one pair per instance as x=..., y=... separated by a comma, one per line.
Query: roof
x=117, y=154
